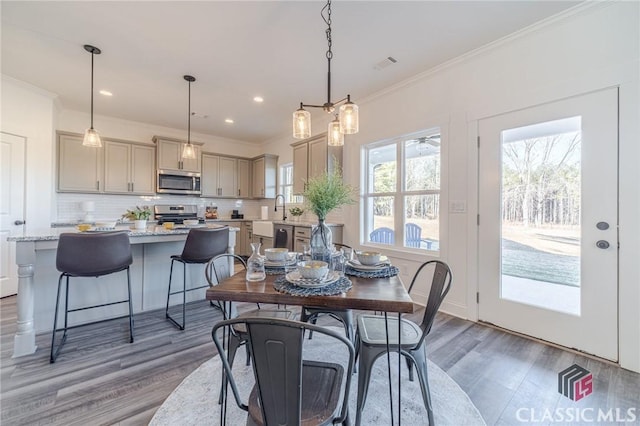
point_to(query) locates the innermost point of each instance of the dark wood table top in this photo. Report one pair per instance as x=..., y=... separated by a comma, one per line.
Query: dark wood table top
x=369, y=294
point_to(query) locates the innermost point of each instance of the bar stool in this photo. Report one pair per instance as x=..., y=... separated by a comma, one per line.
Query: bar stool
x=90, y=255
x=201, y=246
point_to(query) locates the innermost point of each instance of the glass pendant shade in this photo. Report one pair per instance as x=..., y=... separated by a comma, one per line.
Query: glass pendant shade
x=189, y=152
x=349, y=118
x=334, y=136
x=92, y=138
x=301, y=124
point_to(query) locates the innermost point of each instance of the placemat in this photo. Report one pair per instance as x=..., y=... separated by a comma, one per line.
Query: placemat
x=382, y=273
x=341, y=286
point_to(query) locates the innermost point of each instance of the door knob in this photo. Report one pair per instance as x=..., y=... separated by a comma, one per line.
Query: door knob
x=602, y=244
x=19, y=222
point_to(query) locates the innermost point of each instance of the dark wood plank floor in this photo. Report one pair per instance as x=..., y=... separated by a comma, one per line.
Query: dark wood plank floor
x=99, y=378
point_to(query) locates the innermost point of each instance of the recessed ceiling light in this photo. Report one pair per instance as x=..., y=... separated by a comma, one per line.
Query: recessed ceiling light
x=228, y=121
x=258, y=99
x=106, y=93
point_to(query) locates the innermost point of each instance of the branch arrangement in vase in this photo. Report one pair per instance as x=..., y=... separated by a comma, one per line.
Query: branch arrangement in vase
x=327, y=192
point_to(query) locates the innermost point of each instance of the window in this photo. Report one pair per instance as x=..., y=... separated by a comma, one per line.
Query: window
x=286, y=184
x=401, y=198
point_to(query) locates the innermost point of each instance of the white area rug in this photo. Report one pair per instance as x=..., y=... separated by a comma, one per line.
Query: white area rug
x=195, y=400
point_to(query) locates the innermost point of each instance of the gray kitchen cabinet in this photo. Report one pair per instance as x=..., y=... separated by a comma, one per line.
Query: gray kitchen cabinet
x=169, y=157
x=79, y=166
x=129, y=168
x=219, y=176
x=266, y=242
x=244, y=177
x=265, y=172
x=312, y=157
x=302, y=234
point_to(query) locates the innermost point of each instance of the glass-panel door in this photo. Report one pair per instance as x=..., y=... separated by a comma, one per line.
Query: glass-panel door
x=548, y=222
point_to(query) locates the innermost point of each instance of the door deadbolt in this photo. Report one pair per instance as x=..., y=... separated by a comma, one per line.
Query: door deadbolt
x=602, y=244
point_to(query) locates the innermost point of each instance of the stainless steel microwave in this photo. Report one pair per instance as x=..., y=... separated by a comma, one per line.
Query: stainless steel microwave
x=178, y=182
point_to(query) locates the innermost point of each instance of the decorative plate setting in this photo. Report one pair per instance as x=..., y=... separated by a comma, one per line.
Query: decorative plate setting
x=384, y=263
x=296, y=279
x=279, y=263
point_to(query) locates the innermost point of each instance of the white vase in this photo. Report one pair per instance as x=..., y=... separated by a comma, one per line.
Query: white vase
x=140, y=224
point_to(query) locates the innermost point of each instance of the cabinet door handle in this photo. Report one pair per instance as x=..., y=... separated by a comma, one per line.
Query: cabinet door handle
x=131, y=186
x=238, y=192
x=97, y=185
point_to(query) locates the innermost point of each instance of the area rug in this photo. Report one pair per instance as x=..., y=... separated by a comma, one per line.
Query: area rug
x=195, y=400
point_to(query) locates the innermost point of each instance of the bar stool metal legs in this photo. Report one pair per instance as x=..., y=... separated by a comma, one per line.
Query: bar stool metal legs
x=184, y=295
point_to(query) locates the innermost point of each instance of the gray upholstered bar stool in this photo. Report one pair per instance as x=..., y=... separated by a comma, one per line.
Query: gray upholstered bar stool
x=90, y=255
x=202, y=245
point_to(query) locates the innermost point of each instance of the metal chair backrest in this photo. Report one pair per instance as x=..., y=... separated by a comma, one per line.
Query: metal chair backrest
x=281, y=238
x=276, y=350
x=412, y=235
x=382, y=235
x=205, y=243
x=440, y=285
x=218, y=269
x=93, y=255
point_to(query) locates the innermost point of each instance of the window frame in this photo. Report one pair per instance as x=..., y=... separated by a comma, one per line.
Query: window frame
x=399, y=195
x=293, y=199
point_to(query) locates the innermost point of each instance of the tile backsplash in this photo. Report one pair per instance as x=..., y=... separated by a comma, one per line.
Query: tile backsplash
x=108, y=206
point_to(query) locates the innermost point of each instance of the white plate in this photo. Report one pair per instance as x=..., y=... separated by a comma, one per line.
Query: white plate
x=296, y=279
x=384, y=263
x=279, y=264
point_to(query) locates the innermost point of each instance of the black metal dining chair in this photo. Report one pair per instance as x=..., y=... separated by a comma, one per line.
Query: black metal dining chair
x=202, y=245
x=217, y=270
x=372, y=341
x=90, y=255
x=345, y=316
x=290, y=390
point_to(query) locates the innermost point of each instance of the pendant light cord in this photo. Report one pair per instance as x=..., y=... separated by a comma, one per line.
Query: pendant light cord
x=92, y=54
x=327, y=20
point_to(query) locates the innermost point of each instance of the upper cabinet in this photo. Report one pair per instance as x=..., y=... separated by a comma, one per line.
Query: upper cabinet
x=265, y=172
x=79, y=166
x=129, y=168
x=219, y=176
x=312, y=157
x=119, y=167
x=170, y=155
x=244, y=178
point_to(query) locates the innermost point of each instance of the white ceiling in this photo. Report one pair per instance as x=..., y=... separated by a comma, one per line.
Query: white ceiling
x=240, y=49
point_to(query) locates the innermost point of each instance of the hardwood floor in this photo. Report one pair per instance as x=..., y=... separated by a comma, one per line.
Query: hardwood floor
x=100, y=378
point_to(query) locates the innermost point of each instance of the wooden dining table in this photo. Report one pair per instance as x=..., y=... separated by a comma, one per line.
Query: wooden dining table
x=387, y=295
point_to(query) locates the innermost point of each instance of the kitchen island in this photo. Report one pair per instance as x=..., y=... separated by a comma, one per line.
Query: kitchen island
x=151, y=248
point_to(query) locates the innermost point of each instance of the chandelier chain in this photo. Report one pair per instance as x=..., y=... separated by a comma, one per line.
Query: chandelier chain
x=327, y=20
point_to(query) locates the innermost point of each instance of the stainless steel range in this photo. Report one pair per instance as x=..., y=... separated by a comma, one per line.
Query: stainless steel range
x=175, y=213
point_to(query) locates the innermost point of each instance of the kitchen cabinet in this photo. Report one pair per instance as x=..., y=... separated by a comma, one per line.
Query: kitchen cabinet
x=246, y=237
x=244, y=177
x=266, y=242
x=129, y=168
x=302, y=234
x=312, y=157
x=265, y=171
x=219, y=176
x=79, y=167
x=170, y=155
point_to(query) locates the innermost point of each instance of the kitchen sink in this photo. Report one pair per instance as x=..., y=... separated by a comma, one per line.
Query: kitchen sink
x=263, y=228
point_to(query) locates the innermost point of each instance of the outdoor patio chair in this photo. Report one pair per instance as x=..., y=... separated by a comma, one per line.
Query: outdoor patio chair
x=382, y=235
x=290, y=390
x=372, y=342
x=412, y=235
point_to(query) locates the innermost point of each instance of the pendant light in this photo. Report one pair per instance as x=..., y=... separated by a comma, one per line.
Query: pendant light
x=347, y=121
x=189, y=152
x=91, y=136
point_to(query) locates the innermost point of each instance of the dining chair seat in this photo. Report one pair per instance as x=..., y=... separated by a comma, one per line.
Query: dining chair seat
x=373, y=331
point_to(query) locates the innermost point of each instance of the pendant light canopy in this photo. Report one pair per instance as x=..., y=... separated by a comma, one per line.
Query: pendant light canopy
x=189, y=152
x=91, y=136
x=347, y=120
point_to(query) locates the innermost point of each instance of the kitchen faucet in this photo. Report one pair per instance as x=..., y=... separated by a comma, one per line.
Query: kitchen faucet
x=284, y=210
